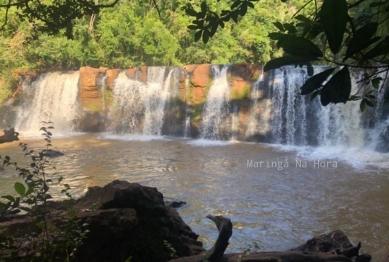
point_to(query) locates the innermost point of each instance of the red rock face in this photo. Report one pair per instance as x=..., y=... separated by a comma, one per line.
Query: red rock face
x=201, y=75
x=193, y=84
x=111, y=76
x=90, y=95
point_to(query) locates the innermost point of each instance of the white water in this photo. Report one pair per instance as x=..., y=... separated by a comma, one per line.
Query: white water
x=255, y=114
x=139, y=107
x=215, y=110
x=298, y=121
x=278, y=114
x=187, y=127
x=52, y=97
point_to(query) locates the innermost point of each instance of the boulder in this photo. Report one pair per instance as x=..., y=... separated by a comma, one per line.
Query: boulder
x=9, y=135
x=53, y=153
x=126, y=221
x=326, y=242
x=137, y=225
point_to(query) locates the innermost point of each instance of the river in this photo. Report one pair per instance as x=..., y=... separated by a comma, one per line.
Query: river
x=276, y=196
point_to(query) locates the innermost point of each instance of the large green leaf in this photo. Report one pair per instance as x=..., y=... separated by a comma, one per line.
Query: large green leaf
x=315, y=81
x=287, y=60
x=333, y=17
x=362, y=39
x=300, y=46
x=337, y=89
x=20, y=188
x=381, y=48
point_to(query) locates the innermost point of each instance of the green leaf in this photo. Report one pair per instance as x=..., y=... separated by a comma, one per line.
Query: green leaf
x=204, y=8
x=362, y=106
x=243, y=9
x=290, y=28
x=20, y=188
x=279, y=26
x=234, y=16
x=236, y=4
x=369, y=102
x=287, y=60
x=278, y=36
x=376, y=82
x=198, y=35
x=189, y=11
x=303, y=19
x=251, y=5
x=300, y=46
x=315, y=94
x=333, y=17
x=337, y=89
x=361, y=39
x=206, y=35
x=375, y=4
x=380, y=49
x=310, y=69
x=316, y=81
x=10, y=198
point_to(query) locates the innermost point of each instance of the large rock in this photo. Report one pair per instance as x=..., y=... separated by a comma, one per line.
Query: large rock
x=326, y=242
x=126, y=220
x=9, y=135
x=137, y=225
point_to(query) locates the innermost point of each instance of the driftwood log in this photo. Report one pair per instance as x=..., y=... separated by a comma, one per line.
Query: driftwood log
x=334, y=246
x=224, y=226
x=9, y=136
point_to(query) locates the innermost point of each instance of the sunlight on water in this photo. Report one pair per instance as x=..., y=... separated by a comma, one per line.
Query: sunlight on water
x=277, y=206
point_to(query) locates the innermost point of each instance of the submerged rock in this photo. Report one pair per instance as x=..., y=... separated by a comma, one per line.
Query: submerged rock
x=9, y=135
x=53, y=153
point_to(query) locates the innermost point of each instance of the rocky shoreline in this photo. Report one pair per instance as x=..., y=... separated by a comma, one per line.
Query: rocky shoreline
x=127, y=220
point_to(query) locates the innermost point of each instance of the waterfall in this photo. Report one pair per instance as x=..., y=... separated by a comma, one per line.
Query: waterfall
x=235, y=123
x=139, y=107
x=161, y=104
x=155, y=99
x=255, y=113
x=187, y=127
x=127, y=110
x=51, y=97
x=298, y=121
x=215, y=110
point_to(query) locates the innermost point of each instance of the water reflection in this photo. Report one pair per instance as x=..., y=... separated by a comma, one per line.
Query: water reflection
x=277, y=209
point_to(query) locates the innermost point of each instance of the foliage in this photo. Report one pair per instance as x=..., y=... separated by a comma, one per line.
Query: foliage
x=343, y=34
x=50, y=237
x=338, y=33
x=130, y=33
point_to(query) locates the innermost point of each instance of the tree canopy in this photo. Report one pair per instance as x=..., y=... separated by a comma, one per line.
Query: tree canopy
x=343, y=34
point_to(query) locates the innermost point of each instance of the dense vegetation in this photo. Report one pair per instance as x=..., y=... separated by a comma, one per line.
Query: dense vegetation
x=343, y=34
x=136, y=33
x=67, y=34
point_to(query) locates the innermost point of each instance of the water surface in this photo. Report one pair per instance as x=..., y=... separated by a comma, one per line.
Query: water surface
x=278, y=206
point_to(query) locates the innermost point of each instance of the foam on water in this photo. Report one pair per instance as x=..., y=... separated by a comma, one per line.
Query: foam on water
x=362, y=159
x=210, y=143
x=131, y=137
